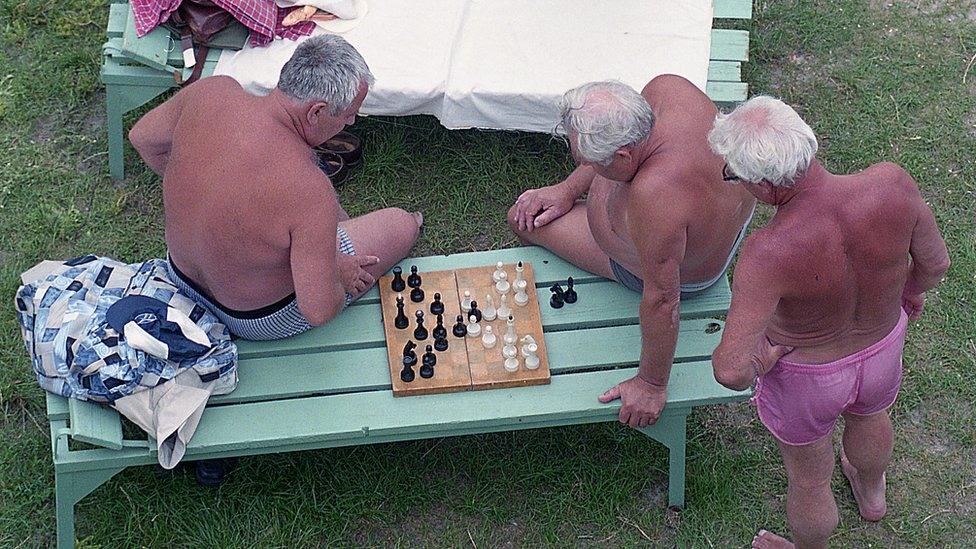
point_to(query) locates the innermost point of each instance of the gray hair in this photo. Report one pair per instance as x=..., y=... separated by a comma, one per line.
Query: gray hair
x=764, y=139
x=605, y=116
x=325, y=68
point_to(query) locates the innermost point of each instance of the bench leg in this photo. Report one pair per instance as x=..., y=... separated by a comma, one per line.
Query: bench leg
x=70, y=488
x=114, y=109
x=670, y=430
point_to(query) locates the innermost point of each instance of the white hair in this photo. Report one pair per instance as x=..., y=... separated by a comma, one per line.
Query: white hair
x=764, y=139
x=325, y=68
x=605, y=116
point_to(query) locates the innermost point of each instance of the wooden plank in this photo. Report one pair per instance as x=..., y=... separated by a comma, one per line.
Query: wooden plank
x=57, y=406
x=732, y=9
x=729, y=45
x=317, y=420
x=727, y=92
x=151, y=49
x=365, y=369
x=117, y=16
x=95, y=424
x=724, y=71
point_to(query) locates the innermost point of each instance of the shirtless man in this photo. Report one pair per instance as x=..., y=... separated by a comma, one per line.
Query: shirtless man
x=829, y=282
x=253, y=226
x=657, y=217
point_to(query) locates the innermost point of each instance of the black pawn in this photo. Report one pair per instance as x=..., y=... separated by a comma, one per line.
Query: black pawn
x=439, y=331
x=414, y=279
x=406, y=374
x=440, y=343
x=398, y=284
x=401, y=321
x=569, y=296
x=460, y=330
x=427, y=363
x=420, y=333
x=557, y=299
x=437, y=306
x=416, y=295
x=475, y=312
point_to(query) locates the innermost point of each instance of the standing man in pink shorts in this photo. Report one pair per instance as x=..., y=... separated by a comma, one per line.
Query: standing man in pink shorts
x=831, y=283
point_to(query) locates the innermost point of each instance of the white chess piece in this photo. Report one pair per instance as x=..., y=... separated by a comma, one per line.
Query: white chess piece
x=474, y=329
x=526, y=341
x=489, y=313
x=503, y=285
x=511, y=358
x=531, y=360
x=499, y=272
x=510, y=336
x=504, y=311
x=489, y=339
x=466, y=302
x=520, y=282
x=521, y=298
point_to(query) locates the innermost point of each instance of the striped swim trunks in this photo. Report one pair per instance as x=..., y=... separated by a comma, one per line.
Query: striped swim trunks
x=276, y=321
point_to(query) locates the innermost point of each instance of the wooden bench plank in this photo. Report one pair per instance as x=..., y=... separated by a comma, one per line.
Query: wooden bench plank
x=95, y=424
x=724, y=71
x=57, y=406
x=732, y=9
x=729, y=45
x=365, y=369
x=117, y=16
x=727, y=92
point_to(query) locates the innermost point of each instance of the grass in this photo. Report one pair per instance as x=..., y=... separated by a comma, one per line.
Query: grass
x=877, y=81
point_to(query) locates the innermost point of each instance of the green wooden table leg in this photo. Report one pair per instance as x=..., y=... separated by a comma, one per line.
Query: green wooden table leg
x=670, y=430
x=70, y=488
x=120, y=99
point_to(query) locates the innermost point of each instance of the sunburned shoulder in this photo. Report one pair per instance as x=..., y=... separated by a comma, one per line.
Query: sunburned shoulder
x=888, y=180
x=667, y=83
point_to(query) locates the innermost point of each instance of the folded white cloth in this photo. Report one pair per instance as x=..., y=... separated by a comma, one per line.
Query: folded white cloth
x=343, y=9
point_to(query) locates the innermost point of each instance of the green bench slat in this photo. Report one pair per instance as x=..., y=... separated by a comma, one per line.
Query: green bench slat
x=727, y=92
x=117, y=15
x=366, y=369
x=95, y=424
x=724, y=71
x=732, y=9
x=729, y=45
x=569, y=398
x=57, y=407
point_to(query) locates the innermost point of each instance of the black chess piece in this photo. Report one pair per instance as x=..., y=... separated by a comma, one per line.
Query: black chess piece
x=406, y=374
x=557, y=299
x=460, y=330
x=409, y=360
x=401, y=321
x=569, y=296
x=475, y=311
x=440, y=343
x=398, y=284
x=417, y=294
x=437, y=306
x=427, y=363
x=414, y=279
x=420, y=333
x=439, y=331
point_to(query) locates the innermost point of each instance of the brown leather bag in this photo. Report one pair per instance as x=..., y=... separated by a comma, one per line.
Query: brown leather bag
x=197, y=21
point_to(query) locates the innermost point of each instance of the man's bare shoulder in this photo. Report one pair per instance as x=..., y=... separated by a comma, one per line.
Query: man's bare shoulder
x=668, y=83
x=767, y=250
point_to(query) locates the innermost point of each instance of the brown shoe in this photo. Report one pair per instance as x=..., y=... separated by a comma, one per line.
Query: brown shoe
x=346, y=145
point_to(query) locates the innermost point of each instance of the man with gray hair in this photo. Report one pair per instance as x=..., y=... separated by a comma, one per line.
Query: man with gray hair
x=656, y=218
x=831, y=282
x=253, y=226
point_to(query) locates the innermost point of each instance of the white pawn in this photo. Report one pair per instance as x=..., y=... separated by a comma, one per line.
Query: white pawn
x=502, y=286
x=466, y=302
x=489, y=339
x=474, y=329
x=511, y=358
x=499, y=272
x=520, y=282
x=531, y=360
x=510, y=336
x=526, y=341
x=489, y=313
x=504, y=310
x=521, y=298
x=511, y=364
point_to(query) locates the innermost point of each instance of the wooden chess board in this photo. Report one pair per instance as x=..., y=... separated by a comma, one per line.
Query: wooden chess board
x=466, y=364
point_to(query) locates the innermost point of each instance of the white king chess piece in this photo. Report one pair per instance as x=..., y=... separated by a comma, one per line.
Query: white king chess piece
x=504, y=311
x=499, y=272
x=489, y=313
x=474, y=329
x=489, y=339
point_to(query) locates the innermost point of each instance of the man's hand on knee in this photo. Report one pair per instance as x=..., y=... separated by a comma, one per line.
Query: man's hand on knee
x=536, y=207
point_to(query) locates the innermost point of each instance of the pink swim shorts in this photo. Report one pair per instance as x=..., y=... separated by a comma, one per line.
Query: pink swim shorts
x=800, y=403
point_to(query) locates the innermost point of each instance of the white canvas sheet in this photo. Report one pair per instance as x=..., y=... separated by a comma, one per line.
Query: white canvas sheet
x=503, y=64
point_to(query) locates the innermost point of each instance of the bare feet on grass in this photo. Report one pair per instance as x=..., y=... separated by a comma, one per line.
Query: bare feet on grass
x=768, y=540
x=870, y=498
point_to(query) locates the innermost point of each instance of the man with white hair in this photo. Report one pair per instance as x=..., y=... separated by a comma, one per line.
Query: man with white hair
x=253, y=226
x=832, y=282
x=656, y=218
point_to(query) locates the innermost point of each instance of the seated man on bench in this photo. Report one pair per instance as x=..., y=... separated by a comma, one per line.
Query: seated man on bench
x=253, y=226
x=657, y=217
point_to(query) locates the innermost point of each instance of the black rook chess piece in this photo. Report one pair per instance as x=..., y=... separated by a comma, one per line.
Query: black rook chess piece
x=437, y=306
x=460, y=330
x=398, y=284
x=569, y=296
x=557, y=299
x=440, y=343
x=414, y=279
x=475, y=311
x=427, y=363
x=401, y=321
x=417, y=294
x=439, y=331
x=420, y=333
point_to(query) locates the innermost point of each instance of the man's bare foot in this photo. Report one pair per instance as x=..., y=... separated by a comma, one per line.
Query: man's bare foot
x=870, y=499
x=419, y=217
x=768, y=540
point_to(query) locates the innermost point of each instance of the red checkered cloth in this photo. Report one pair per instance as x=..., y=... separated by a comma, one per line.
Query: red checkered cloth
x=263, y=17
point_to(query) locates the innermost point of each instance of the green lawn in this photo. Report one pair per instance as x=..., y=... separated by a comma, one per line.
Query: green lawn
x=878, y=80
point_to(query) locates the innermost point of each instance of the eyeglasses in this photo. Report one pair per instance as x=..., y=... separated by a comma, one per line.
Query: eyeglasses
x=728, y=175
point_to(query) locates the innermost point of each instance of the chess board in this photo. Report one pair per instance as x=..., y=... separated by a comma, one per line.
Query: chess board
x=466, y=364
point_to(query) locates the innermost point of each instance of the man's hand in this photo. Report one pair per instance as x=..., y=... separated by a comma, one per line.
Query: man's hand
x=913, y=304
x=536, y=207
x=352, y=273
x=641, y=402
x=767, y=355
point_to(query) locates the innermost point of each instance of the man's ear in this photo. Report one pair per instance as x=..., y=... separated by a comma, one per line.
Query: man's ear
x=316, y=111
x=623, y=153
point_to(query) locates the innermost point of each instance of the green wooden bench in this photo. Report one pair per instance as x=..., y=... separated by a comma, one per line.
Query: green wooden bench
x=336, y=380
x=136, y=70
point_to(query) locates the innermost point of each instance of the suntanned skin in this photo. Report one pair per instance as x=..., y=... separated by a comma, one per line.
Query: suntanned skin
x=827, y=277
x=661, y=210
x=249, y=215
